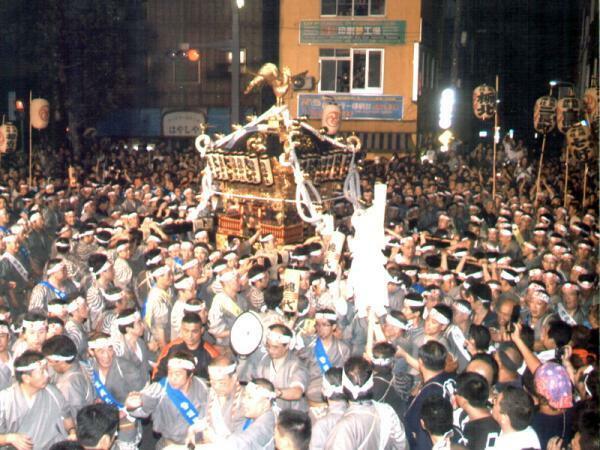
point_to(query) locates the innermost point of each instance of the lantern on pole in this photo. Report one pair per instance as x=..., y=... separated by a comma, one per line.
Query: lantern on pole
x=567, y=113
x=590, y=106
x=39, y=113
x=544, y=114
x=579, y=139
x=331, y=116
x=8, y=137
x=484, y=102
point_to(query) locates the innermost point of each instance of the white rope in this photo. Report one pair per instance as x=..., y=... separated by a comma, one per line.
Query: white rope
x=352, y=191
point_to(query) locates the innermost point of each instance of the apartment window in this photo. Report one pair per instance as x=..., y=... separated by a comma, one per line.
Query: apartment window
x=352, y=7
x=358, y=71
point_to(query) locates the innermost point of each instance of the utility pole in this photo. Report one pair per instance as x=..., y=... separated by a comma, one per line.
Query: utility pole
x=456, y=36
x=235, y=62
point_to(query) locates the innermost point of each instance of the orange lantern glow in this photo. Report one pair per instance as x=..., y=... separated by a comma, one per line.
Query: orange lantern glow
x=193, y=55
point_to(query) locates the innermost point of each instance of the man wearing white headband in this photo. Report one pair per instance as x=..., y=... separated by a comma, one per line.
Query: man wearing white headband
x=57, y=285
x=74, y=327
x=322, y=353
x=258, y=281
x=333, y=392
x=35, y=328
x=186, y=290
x=39, y=244
x=6, y=359
x=34, y=412
x=85, y=245
x=226, y=306
x=15, y=273
x=365, y=424
x=283, y=368
x=176, y=402
x=134, y=347
x=103, y=274
x=114, y=378
x=70, y=378
x=389, y=386
x=157, y=309
x=538, y=305
x=122, y=267
x=258, y=427
x=224, y=409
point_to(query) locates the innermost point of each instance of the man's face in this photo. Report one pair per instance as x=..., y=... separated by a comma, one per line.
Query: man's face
x=537, y=307
x=432, y=327
x=35, y=338
x=104, y=357
x=252, y=405
x=177, y=377
x=191, y=333
x=276, y=351
x=225, y=385
x=38, y=378
x=504, y=313
x=324, y=328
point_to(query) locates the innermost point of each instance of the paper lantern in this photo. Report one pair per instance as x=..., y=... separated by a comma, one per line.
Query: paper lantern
x=590, y=106
x=331, y=116
x=567, y=113
x=579, y=138
x=8, y=137
x=484, y=102
x=544, y=114
x=40, y=113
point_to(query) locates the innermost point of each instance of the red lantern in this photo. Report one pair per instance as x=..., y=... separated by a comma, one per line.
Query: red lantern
x=544, y=114
x=484, y=102
x=193, y=55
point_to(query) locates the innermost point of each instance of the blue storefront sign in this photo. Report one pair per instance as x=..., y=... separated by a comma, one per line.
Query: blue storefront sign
x=354, y=107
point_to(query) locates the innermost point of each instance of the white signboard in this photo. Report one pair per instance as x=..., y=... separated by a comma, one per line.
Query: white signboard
x=182, y=123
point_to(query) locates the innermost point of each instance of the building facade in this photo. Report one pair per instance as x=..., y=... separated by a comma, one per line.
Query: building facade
x=377, y=59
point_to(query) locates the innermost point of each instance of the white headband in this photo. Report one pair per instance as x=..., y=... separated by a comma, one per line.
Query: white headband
x=356, y=390
x=230, y=256
x=76, y=303
x=194, y=308
x=328, y=389
x=40, y=364
x=35, y=325
x=179, y=363
x=4, y=329
x=104, y=268
x=257, y=277
x=58, y=308
x=438, y=317
x=185, y=284
x=219, y=372
x=61, y=358
x=100, y=343
x=326, y=316
x=190, y=264
x=462, y=308
x=156, y=260
x=55, y=268
x=381, y=361
x=123, y=246
x=260, y=391
x=113, y=297
x=391, y=320
x=507, y=276
x=161, y=271
x=414, y=303
x=227, y=276
x=128, y=320
x=173, y=247
x=278, y=338
x=35, y=216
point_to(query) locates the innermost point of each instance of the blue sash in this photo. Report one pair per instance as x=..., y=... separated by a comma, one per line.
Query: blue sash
x=4, y=230
x=143, y=311
x=24, y=252
x=247, y=423
x=178, y=261
x=185, y=407
x=102, y=391
x=321, y=356
x=60, y=294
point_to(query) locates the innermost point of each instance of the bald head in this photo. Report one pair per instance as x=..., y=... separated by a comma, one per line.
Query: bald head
x=484, y=367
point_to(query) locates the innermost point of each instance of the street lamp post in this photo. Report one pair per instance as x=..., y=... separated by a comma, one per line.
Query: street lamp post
x=20, y=110
x=235, y=60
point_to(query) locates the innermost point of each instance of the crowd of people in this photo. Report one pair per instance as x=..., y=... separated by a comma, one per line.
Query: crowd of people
x=116, y=310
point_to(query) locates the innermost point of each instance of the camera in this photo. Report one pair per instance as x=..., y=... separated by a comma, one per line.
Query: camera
x=514, y=318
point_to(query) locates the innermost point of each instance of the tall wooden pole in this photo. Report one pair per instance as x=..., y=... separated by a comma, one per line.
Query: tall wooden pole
x=537, y=183
x=566, y=178
x=585, y=176
x=30, y=140
x=496, y=138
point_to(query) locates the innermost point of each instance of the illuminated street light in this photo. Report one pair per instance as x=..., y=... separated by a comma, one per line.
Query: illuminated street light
x=446, y=107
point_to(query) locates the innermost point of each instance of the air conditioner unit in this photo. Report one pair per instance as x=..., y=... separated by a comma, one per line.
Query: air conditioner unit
x=304, y=83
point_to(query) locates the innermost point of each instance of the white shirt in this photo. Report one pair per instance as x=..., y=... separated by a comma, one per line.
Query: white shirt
x=526, y=438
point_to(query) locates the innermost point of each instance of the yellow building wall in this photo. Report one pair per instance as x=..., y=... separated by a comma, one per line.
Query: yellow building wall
x=398, y=59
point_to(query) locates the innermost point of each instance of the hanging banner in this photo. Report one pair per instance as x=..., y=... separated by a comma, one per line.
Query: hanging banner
x=544, y=114
x=579, y=139
x=567, y=113
x=590, y=106
x=484, y=102
x=8, y=137
x=291, y=290
x=334, y=252
x=40, y=113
